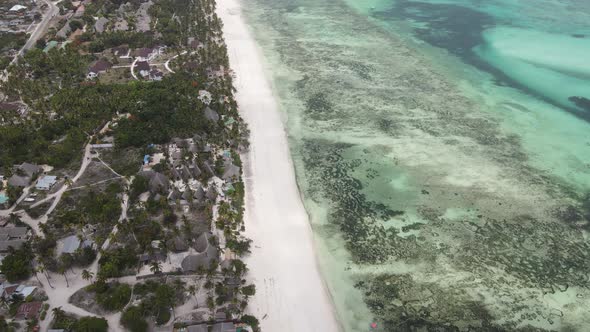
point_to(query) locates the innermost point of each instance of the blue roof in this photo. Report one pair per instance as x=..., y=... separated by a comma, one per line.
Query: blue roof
x=46, y=181
x=71, y=244
x=146, y=159
x=3, y=199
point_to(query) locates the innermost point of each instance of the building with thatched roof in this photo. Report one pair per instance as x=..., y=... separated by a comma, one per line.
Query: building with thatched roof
x=207, y=253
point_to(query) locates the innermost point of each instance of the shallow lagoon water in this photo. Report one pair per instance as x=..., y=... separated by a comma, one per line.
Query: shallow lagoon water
x=446, y=191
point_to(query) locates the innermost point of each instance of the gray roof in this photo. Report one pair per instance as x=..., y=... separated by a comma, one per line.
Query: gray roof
x=174, y=194
x=175, y=174
x=200, y=194
x=157, y=257
x=46, y=182
x=30, y=169
x=203, y=259
x=99, y=66
x=208, y=168
x=186, y=173
x=195, y=170
x=230, y=171
x=100, y=24
x=16, y=244
x=211, y=194
x=202, y=243
x=193, y=147
x=176, y=154
x=14, y=232
x=142, y=65
x=63, y=32
x=223, y=327
x=19, y=181
x=197, y=328
x=177, y=244
x=220, y=315
x=186, y=195
x=71, y=244
x=181, y=143
x=211, y=115
x=158, y=182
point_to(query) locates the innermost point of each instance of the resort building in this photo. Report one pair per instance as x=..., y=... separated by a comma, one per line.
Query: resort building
x=46, y=182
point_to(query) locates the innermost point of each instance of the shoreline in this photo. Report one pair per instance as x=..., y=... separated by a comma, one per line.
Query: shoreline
x=291, y=294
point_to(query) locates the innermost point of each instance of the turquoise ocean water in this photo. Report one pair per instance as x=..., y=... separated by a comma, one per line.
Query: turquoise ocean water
x=442, y=148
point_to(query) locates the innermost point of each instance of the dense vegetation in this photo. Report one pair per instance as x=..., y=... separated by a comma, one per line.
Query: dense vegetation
x=114, y=262
x=133, y=319
x=17, y=264
x=62, y=320
x=111, y=297
x=67, y=111
x=158, y=299
x=91, y=324
x=116, y=38
x=94, y=208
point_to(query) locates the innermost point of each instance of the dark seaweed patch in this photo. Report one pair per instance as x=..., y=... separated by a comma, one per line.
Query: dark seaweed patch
x=458, y=30
x=319, y=107
x=455, y=28
x=358, y=218
x=581, y=102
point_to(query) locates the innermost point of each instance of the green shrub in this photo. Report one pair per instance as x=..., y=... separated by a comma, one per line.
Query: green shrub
x=91, y=324
x=133, y=320
x=113, y=297
x=163, y=317
x=252, y=321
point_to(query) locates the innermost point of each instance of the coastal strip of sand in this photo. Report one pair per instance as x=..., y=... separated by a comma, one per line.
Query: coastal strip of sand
x=290, y=292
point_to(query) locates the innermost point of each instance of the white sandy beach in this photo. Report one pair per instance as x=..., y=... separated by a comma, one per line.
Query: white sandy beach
x=290, y=292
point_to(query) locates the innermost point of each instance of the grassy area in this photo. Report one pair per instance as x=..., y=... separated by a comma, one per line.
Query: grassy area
x=125, y=162
x=115, y=76
x=10, y=41
x=38, y=211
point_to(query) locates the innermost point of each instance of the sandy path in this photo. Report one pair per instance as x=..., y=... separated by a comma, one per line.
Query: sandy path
x=291, y=295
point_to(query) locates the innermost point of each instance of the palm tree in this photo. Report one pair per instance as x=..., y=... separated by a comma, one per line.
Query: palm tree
x=156, y=267
x=62, y=270
x=164, y=246
x=31, y=324
x=192, y=289
x=35, y=271
x=41, y=268
x=87, y=275
x=58, y=313
x=4, y=302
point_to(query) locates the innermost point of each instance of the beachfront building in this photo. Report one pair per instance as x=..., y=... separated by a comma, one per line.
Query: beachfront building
x=207, y=253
